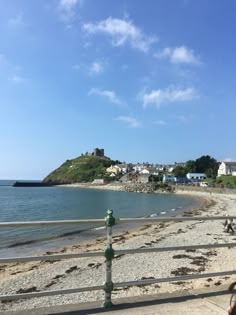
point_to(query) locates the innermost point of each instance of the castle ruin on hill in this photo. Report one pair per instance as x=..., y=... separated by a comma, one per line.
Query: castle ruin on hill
x=96, y=152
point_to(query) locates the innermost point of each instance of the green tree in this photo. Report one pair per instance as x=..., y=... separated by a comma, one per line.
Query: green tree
x=190, y=166
x=207, y=164
x=179, y=171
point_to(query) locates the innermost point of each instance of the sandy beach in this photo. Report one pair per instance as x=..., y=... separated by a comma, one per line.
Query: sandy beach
x=72, y=273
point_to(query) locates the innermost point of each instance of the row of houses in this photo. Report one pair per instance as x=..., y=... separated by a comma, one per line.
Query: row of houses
x=144, y=168
x=140, y=173
x=225, y=168
x=193, y=177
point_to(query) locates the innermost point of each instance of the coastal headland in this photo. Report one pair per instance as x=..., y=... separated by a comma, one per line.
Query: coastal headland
x=38, y=276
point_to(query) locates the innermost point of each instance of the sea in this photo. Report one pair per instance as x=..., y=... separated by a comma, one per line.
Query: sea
x=19, y=204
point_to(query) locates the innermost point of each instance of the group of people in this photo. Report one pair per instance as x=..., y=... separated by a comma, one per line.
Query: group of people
x=228, y=225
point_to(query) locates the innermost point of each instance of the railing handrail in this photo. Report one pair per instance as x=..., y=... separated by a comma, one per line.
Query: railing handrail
x=110, y=253
x=116, y=252
x=55, y=222
x=118, y=221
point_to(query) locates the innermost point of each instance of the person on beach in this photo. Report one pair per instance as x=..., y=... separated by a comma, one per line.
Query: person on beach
x=225, y=223
x=230, y=226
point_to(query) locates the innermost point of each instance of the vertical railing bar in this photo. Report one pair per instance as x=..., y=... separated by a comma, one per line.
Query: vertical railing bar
x=109, y=254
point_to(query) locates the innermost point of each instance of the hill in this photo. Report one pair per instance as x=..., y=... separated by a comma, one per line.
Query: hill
x=81, y=169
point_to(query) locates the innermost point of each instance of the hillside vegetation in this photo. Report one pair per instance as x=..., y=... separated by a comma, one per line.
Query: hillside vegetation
x=225, y=180
x=81, y=169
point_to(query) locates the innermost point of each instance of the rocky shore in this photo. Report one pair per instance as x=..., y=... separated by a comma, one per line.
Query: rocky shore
x=129, y=187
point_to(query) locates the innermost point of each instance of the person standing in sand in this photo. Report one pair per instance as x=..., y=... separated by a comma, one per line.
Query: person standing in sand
x=230, y=226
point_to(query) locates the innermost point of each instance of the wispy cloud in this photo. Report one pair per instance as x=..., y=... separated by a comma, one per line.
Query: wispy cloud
x=76, y=67
x=96, y=68
x=109, y=95
x=185, y=119
x=10, y=71
x=16, y=22
x=160, y=122
x=121, y=32
x=182, y=118
x=17, y=79
x=169, y=95
x=178, y=55
x=67, y=9
x=130, y=121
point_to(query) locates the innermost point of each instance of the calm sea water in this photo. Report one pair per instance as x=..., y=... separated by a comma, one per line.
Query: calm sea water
x=67, y=203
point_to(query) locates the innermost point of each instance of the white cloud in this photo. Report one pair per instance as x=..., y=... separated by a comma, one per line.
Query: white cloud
x=67, y=9
x=96, y=68
x=121, y=33
x=169, y=95
x=110, y=95
x=178, y=55
x=132, y=122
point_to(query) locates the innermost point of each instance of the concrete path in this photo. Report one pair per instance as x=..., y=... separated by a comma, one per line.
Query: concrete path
x=201, y=302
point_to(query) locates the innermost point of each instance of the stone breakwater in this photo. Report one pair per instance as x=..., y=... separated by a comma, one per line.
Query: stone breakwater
x=147, y=188
x=129, y=187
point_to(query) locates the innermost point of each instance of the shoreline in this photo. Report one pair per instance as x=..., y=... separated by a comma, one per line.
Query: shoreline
x=91, y=271
x=39, y=246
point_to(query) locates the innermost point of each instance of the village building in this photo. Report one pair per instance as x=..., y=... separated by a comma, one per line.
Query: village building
x=227, y=168
x=196, y=176
x=115, y=169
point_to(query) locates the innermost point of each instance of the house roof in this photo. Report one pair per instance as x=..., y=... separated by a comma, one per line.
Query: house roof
x=196, y=174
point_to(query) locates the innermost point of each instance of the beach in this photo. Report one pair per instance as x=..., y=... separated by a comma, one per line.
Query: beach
x=72, y=273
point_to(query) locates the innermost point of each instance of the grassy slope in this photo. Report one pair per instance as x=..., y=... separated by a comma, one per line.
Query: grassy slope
x=81, y=169
x=225, y=180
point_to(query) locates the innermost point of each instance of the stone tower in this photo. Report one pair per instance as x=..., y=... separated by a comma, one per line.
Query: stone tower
x=98, y=152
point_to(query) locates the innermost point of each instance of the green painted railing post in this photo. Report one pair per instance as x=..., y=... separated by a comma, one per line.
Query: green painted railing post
x=109, y=254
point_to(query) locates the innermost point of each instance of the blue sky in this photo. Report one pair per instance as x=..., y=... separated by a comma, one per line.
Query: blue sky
x=148, y=81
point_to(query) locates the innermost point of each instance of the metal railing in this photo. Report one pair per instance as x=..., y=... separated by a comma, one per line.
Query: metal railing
x=110, y=253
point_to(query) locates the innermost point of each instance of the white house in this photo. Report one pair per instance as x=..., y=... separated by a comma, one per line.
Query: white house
x=196, y=176
x=144, y=171
x=227, y=168
x=124, y=168
x=138, y=167
x=169, y=178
